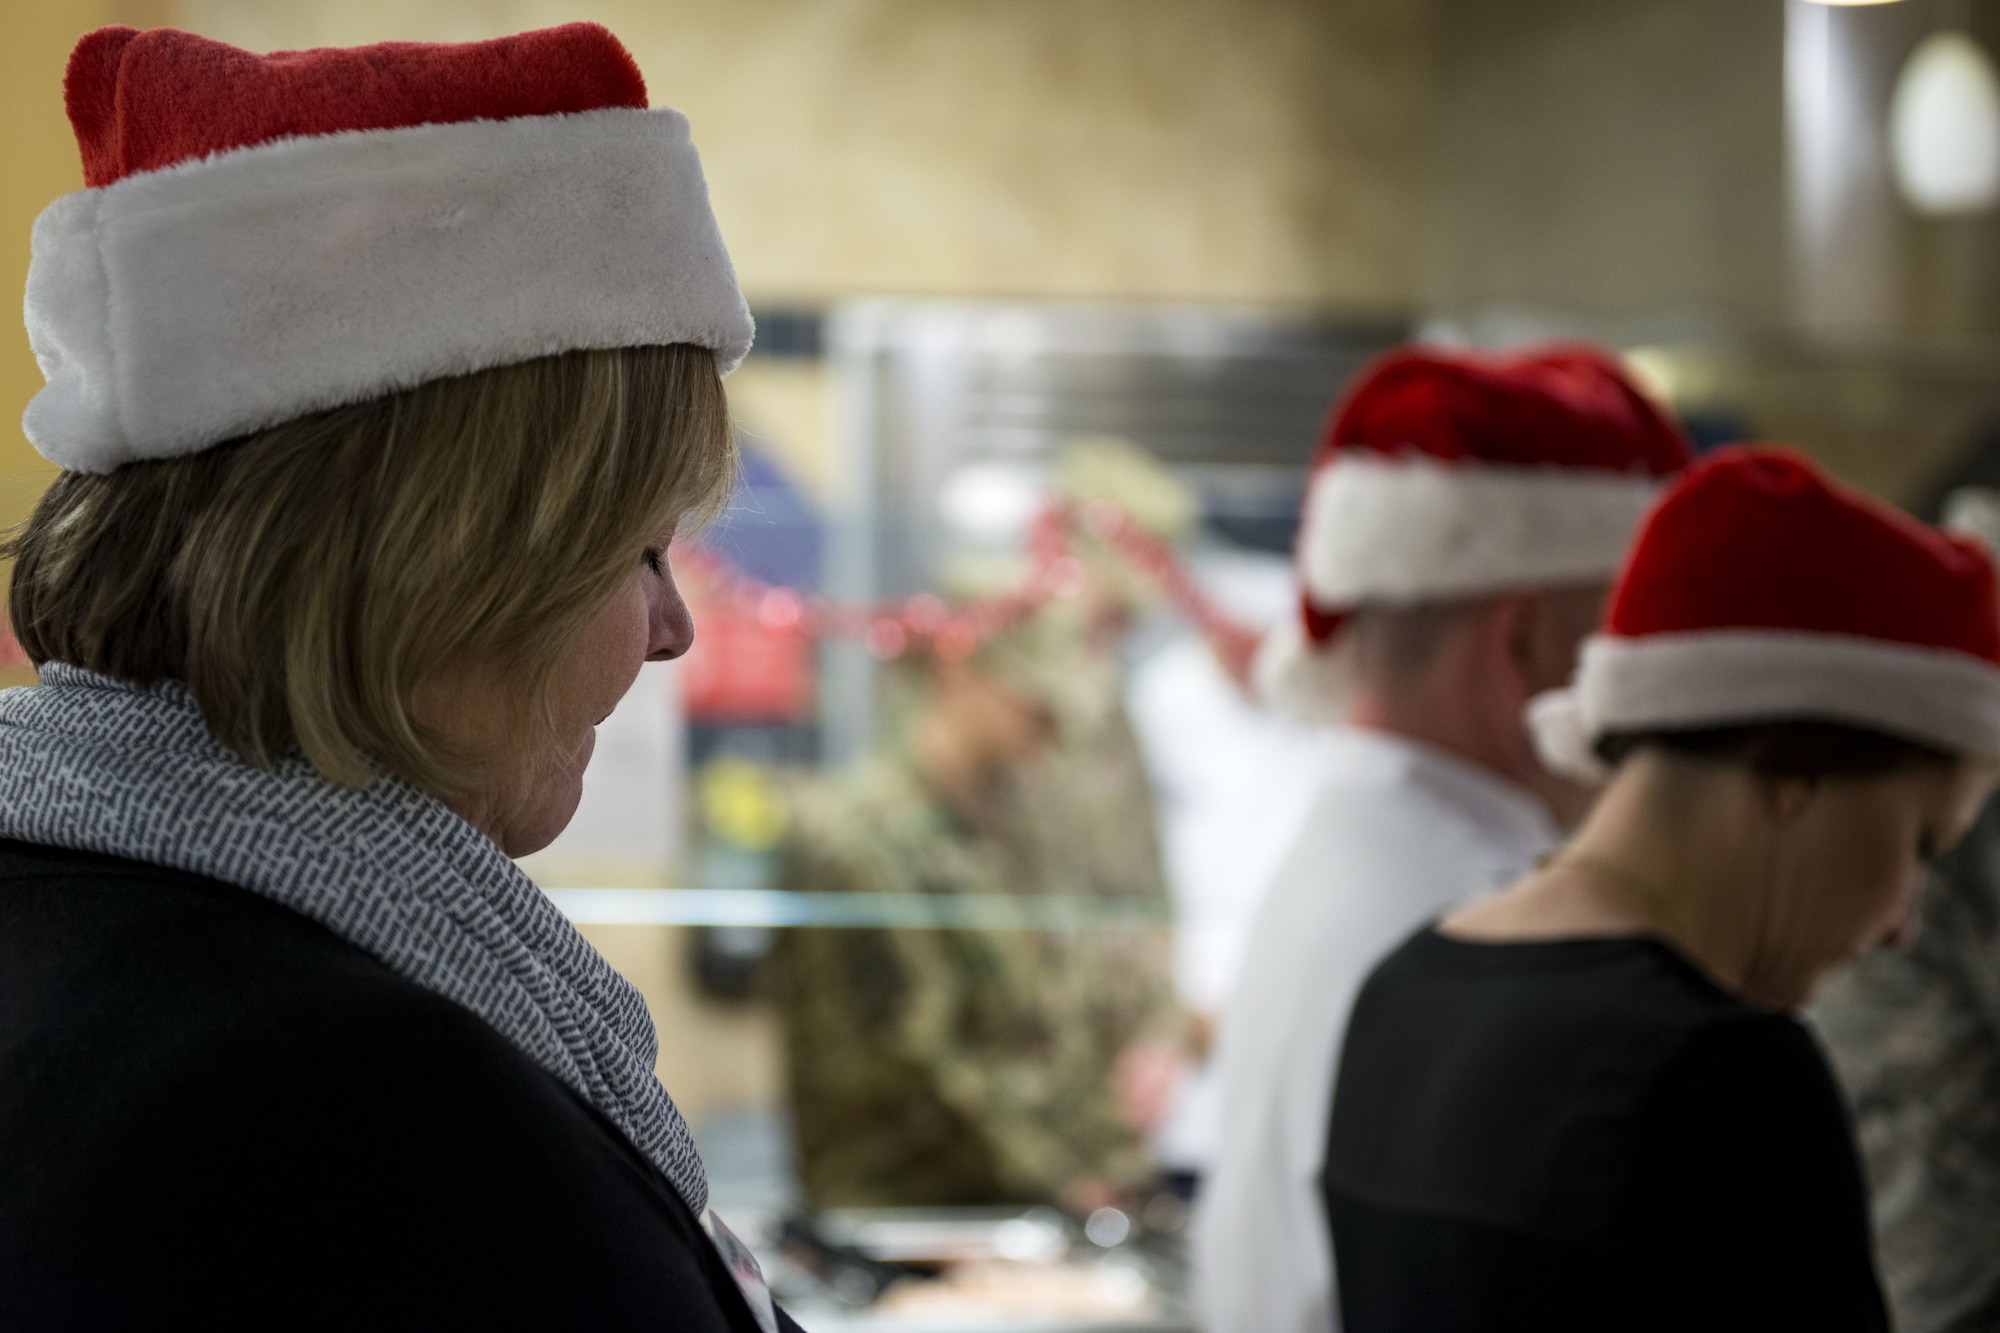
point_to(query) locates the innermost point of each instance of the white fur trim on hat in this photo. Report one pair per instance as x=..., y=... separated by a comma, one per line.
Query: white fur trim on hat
x=1669, y=682
x=1411, y=528
x=1305, y=681
x=182, y=307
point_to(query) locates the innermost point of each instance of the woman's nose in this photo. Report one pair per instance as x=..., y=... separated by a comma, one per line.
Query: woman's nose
x=670, y=625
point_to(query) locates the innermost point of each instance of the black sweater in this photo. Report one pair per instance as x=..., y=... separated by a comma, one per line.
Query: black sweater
x=215, y=1114
x=1589, y=1135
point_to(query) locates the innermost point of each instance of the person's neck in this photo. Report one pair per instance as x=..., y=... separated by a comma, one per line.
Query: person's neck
x=1444, y=728
x=1436, y=713
x=1680, y=858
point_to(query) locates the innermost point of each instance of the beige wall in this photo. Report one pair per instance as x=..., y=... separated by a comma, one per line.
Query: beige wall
x=1247, y=150
x=1623, y=162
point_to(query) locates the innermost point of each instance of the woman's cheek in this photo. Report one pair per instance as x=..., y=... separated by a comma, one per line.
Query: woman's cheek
x=1865, y=858
x=605, y=659
x=1890, y=856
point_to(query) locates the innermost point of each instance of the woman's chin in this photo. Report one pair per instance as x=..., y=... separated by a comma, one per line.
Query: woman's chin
x=552, y=806
x=532, y=835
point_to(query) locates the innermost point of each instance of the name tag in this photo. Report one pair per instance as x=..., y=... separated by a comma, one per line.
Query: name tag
x=743, y=1267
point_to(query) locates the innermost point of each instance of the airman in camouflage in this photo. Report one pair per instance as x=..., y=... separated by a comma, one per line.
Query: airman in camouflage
x=1916, y=1038
x=950, y=1066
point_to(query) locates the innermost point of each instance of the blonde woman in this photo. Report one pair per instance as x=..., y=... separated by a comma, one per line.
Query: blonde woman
x=1584, y=1102
x=380, y=379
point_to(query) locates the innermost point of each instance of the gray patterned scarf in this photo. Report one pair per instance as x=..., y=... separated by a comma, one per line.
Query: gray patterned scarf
x=91, y=764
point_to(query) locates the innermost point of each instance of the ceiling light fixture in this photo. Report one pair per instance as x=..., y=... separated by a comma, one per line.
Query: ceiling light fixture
x=1944, y=127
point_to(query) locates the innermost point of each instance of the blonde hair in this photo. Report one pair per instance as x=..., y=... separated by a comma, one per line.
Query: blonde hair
x=301, y=582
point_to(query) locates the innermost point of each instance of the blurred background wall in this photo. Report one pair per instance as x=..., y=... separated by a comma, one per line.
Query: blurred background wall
x=1620, y=163
x=1490, y=169
x=1262, y=150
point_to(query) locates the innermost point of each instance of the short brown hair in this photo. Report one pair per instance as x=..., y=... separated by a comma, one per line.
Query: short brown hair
x=1805, y=749
x=303, y=580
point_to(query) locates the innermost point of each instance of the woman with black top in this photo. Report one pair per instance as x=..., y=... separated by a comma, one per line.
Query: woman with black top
x=381, y=380
x=1584, y=1102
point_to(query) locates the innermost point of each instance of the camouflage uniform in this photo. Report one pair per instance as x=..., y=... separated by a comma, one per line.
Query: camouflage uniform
x=1916, y=1038
x=932, y=1067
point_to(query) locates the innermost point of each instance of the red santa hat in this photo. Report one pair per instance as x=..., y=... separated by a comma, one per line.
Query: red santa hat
x=268, y=236
x=1761, y=591
x=1447, y=474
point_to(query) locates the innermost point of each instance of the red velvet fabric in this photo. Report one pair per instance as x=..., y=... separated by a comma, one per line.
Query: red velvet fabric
x=140, y=101
x=1561, y=405
x=1758, y=538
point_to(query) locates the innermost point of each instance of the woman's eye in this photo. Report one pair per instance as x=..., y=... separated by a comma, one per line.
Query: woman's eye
x=655, y=560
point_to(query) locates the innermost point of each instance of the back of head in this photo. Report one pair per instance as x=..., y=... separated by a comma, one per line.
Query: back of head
x=1447, y=477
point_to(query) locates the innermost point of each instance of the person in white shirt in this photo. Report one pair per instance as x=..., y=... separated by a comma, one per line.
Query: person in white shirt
x=1464, y=519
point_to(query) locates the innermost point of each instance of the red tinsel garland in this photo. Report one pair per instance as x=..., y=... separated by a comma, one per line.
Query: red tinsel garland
x=890, y=629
